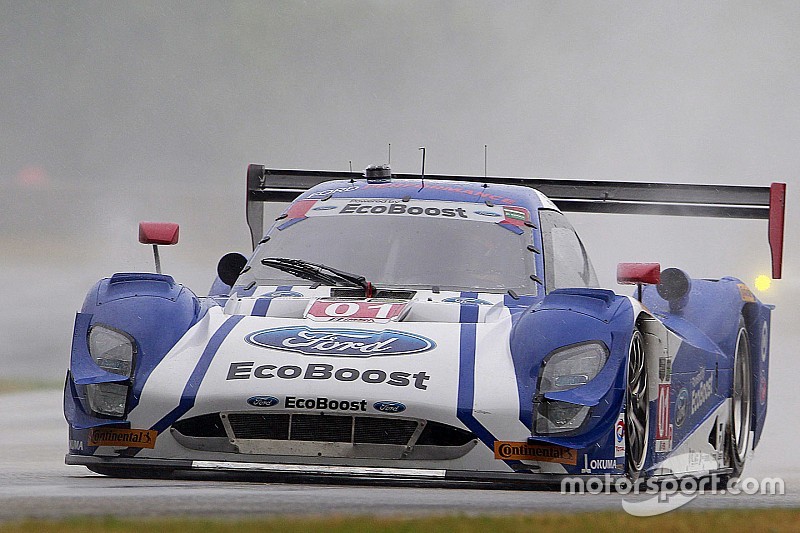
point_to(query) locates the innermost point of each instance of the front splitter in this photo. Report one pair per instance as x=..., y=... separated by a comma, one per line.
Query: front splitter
x=131, y=466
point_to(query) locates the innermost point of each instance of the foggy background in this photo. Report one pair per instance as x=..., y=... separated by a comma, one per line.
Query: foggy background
x=116, y=112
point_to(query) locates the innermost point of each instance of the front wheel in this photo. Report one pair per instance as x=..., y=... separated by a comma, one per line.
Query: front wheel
x=637, y=408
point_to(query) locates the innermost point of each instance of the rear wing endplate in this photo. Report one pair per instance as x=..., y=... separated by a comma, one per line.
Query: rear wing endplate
x=626, y=197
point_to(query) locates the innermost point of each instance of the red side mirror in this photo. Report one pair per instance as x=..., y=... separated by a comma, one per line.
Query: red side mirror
x=638, y=273
x=158, y=233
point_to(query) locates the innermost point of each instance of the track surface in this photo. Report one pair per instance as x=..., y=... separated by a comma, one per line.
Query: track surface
x=34, y=482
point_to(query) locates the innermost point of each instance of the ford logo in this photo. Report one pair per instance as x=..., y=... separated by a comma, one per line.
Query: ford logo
x=337, y=342
x=487, y=213
x=282, y=294
x=466, y=301
x=263, y=401
x=389, y=407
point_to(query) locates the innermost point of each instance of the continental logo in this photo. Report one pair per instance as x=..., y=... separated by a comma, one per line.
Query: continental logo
x=522, y=451
x=130, y=438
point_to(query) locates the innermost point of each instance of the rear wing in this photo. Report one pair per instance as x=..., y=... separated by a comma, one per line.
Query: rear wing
x=719, y=201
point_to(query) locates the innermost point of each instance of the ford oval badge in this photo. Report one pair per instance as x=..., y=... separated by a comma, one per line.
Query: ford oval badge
x=263, y=401
x=340, y=342
x=389, y=407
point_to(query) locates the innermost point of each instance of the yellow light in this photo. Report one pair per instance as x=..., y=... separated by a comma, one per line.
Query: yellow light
x=763, y=282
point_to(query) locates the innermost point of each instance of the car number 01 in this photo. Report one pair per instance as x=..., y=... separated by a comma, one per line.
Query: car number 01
x=360, y=311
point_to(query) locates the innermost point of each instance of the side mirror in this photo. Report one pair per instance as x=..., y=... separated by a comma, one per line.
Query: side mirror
x=230, y=266
x=638, y=274
x=156, y=233
x=675, y=287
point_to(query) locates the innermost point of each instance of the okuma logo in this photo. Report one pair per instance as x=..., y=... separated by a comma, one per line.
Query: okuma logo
x=340, y=342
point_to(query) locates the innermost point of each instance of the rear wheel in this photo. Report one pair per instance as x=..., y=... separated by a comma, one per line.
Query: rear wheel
x=738, y=434
x=637, y=408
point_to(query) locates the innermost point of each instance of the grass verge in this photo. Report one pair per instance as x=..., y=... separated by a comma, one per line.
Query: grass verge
x=750, y=521
x=22, y=385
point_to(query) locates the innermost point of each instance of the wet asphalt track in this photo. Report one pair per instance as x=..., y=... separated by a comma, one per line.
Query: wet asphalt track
x=35, y=482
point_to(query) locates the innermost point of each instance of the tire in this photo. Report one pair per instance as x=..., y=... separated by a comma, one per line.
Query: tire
x=739, y=423
x=637, y=409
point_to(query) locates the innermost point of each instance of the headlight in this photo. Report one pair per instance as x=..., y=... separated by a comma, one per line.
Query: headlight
x=566, y=369
x=113, y=351
x=572, y=367
x=109, y=399
x=559, y=417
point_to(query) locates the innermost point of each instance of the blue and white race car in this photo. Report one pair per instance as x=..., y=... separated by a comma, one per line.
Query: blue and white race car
x=427, y=328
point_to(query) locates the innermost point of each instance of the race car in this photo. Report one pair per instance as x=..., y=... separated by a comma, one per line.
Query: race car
x=427, y=328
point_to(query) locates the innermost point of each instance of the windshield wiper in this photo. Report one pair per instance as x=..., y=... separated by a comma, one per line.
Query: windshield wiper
x=318, y=272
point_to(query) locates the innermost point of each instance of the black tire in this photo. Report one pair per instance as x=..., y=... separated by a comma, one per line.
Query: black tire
x=737, y=435
x=637, y=409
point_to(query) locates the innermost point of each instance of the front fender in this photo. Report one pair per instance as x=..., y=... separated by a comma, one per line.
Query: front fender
x=566, y=317
x=154, y=310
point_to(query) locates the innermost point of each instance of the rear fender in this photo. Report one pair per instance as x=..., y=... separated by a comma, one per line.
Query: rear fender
x=713, y=312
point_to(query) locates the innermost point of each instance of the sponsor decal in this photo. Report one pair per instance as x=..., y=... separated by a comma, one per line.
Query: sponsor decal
x=515, y=215
x=699, y=376
x=282, y=294
x=323, y=403
x=340, y=342
x=263, y=401
x=762, y=390
x=128, y=438
x=663, y=412
x=663, y=426
x=487, y=213
x=663, y=445
x=466, y=301
x=481, y=193
x=602, y=464
x=325, y=208
x=328, y=192
x=597, y=464
x=619, y=437
x=695, y=460
x=299, y=209
x=745, y=293
x=764, y=342
x=374, y=200
x=664, y=370
x=389, y=407
x=522, y=451
x=681, y=407
x=249, y=369
x=76, y=445
x=328, y=311
x=356, y=208
x=702, y=393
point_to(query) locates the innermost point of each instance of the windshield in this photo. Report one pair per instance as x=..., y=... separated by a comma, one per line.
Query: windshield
x=404, y=251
